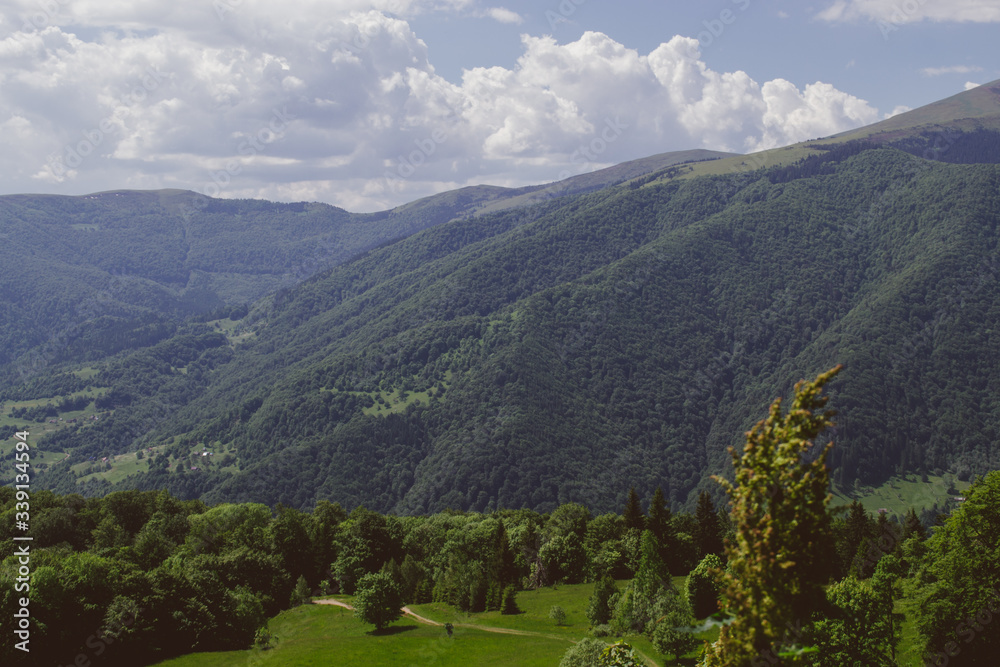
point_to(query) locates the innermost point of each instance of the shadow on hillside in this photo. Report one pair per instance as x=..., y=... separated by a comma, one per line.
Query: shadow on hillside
x=394, y=630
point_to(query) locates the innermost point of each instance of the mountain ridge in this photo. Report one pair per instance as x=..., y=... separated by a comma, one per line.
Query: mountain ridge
x=566, y=350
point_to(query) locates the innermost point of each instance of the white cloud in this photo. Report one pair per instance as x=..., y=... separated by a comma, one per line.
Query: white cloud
x=290, y=101
x=910, y=11
x=902, y=108
x=969, y=85
x=504, y=15
x=953, y=69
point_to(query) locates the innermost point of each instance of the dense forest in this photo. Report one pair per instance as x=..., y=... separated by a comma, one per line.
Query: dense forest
x=564, y=351
x=138, y=576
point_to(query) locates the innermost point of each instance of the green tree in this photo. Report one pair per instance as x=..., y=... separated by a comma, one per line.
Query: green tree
x=651, y=594
x=913, y=527
x=703, y=586
x=862, y=628
x=508, y=604
x=669, y=631
x=779, y=508
x=557, y=614
x=620, y=654
x=300, y=595
x=957, y=582
x=659, y=521
x=585, y=653
x=634, y=518
x=707, y=535
x=852, y=534
x=378, y=600
x=598, y=609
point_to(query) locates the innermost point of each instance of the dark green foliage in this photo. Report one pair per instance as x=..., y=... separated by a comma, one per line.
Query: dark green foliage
x=508, y=605
x=980, y=146
x=912, y=526
x=633, y=515
x=853, y=534
x=598, y=609
x=704, y=585
x=862, y=628
x=708, y=535
x=566, y=351
x=957, y=583
x=659, y=522
x=650, y=596
x=378, y=600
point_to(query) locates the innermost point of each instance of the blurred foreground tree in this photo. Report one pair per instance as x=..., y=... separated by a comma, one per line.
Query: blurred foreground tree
x=782, y=528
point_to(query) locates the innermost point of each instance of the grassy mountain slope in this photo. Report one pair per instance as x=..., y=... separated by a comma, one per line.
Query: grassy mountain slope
x=966, y=112
x=566, y=351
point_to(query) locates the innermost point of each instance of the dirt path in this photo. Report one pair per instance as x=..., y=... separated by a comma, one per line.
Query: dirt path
x=336, y=603
x=473, y=626
x=418, y=617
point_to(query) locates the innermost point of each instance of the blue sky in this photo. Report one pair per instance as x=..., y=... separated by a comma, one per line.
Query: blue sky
x=367, y=104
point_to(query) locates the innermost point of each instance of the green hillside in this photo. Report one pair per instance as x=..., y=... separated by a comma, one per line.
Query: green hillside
x=565, y=351
x=118, y=270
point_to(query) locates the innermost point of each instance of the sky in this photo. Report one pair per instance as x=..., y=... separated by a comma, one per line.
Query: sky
x=369, y=104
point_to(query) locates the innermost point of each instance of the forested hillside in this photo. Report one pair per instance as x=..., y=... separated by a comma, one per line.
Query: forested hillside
x=113, y=271
x=568, y=350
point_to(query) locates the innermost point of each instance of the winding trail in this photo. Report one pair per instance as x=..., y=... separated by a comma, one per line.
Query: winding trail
x=485, y=628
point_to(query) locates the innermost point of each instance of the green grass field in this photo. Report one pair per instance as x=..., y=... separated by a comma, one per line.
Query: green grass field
x=899, y=494
x=320, y=634
x=326, y=635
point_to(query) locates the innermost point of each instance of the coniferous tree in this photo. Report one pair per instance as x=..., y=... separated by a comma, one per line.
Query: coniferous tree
x=855, y=530
x=707, y=536
x=633, y=515
x=659, y=523
x=776, y=570
x=912, y=527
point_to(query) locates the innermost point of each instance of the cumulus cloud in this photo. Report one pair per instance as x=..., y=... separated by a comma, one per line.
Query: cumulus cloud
x=953, y=69
x=296, y=101
x=897, y=12
x=504, y=15
x=969, y=85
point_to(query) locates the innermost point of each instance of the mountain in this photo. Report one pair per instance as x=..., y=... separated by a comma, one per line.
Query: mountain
x=965, y=118
x=114, y=270
x=572, y=348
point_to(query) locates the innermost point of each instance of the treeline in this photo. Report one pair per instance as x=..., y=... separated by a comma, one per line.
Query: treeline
x=566, y=351
x=172, y=576
x=141, y=576
x=39, y=413
x=981, y=146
